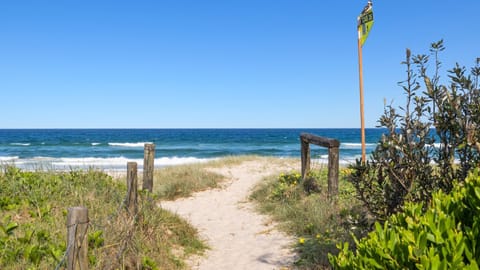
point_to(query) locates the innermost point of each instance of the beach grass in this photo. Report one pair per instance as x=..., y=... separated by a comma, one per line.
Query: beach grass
x=33, y=210
x=181, y=181
x=317, y=222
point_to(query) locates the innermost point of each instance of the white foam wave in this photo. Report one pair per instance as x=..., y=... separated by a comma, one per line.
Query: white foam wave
x=116, y=163
x=319, y=160
x=170, y=161
x=95, y=143
x=8, y=159
x=20, y=144
x=93, y=162
x=137, y=144
x=355, y=145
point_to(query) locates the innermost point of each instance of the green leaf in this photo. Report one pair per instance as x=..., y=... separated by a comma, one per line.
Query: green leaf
x=431, y=238
x=56, y=253
x=408, y=235
x=477, y=192
x=10, y=227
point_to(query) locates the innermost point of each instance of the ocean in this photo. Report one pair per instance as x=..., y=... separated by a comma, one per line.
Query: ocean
x=111, y=149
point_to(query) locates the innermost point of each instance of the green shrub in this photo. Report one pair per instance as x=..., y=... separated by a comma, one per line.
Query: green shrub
x=286, y=186
x=429, y=142
x=445, y=236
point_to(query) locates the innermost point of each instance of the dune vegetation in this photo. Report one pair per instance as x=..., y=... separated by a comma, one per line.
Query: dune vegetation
x=34, y=205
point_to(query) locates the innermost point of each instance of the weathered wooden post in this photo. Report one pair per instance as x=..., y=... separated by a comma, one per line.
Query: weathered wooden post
x=77, y=240
x=148, y=166
x=131, y=200
x=333, y=159
x=305, y=157
x=333, y=164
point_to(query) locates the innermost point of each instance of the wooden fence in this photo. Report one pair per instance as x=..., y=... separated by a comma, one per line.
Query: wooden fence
x=333, y=159
x=77, y=217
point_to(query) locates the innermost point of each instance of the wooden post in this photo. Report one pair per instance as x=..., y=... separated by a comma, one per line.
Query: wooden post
x=77, y=240
x=362, y=117
x=333, y=164
x=333, y=159
x=148, y=166
x=305, y=157
x=131, y=200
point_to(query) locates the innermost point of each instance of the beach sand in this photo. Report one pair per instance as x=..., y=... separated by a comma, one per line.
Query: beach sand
x=239, y=237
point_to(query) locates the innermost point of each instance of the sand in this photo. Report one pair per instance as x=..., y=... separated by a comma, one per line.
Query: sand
x=239, y=238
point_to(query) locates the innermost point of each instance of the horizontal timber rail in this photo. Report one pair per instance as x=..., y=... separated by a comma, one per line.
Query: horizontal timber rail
x=333, y=158
x=317, y=140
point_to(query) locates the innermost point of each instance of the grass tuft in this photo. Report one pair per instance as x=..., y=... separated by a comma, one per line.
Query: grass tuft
x=181, y=181
x=317, y=222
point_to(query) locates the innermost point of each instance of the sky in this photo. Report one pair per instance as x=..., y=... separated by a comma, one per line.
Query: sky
x=216, y=64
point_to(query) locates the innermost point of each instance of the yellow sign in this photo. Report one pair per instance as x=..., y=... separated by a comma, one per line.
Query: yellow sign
x=365, y=22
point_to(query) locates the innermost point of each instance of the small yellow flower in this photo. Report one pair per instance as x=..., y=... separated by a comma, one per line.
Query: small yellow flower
x=294, y=182
x=301, y=240
x=317, y=236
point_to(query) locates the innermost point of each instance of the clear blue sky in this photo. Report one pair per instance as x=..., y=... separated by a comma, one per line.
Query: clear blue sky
x=204, y=64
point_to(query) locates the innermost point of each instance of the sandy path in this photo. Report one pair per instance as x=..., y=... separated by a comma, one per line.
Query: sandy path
x=239, y=238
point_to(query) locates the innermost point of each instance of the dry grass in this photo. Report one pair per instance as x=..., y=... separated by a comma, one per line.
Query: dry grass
x=183, y=180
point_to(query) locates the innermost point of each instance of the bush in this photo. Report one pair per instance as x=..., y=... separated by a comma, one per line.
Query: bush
x=430, y=141
x=446, y=236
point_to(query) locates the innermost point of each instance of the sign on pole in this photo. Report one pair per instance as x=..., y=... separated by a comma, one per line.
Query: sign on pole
x=364, y=24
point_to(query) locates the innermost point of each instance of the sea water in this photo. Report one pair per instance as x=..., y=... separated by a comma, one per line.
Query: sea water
x=113, y=148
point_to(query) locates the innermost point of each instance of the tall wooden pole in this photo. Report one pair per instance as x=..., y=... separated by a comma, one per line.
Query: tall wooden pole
x=362, y=118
